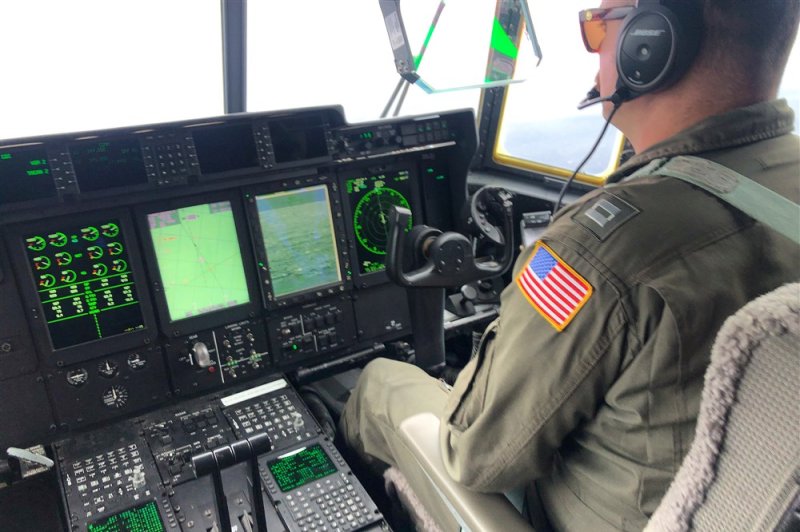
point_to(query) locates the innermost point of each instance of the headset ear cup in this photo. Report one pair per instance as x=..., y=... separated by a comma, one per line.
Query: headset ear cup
x=655, y=48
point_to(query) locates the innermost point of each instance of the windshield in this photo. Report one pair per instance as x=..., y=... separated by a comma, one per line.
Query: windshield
x=94, y=64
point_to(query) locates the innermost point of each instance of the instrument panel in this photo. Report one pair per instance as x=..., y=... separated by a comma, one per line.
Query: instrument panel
x=139, y=474
x=142, y=266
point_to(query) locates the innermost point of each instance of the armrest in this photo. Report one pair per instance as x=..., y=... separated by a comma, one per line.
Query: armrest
x=472, y=510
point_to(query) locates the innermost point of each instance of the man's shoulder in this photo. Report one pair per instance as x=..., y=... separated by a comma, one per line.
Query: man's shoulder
x=632, y=226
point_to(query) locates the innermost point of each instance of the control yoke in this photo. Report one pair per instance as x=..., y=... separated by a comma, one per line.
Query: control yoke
x=448, y=259
x=426, y=261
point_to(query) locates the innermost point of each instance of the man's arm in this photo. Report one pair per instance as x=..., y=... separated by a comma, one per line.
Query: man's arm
x=532, y=384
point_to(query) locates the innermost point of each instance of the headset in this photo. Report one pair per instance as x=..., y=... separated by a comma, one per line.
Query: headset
x=657, y=44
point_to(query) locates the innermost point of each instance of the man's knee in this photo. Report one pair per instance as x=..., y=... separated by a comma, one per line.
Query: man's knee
x=377, y=372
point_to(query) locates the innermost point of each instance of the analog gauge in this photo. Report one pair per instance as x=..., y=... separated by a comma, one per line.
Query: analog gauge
x=95, y=252
x=90, y=233
x=47, y=281
x=108, y=369
x=63, y=258
x=371, y=218
x=137, y=361
x=119, y=265
x=77, y=377
x=115, y=396
x=35, y=243
x=110, y=229
x=42, y=263
x=99, y=269
x=57, y=239
x=114, y=248
x=68, y=276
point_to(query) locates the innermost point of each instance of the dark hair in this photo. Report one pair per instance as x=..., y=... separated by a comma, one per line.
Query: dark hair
x=750, y=39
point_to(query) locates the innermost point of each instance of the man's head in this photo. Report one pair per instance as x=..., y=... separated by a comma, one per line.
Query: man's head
x=739, y=60
x=747, y=42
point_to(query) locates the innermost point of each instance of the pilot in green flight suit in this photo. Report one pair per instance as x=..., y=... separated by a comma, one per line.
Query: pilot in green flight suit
x=589, y=383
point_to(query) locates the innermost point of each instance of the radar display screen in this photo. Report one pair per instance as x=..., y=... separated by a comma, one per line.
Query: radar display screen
x=84, y=282
x=225, y=148
x=371, y=198
x=142, y=518
x=298, y=234
x=108, y=164
x=300, y=468
x=199, y=259
x=25, y=175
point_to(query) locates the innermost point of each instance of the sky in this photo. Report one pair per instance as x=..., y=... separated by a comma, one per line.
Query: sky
x=88, y=64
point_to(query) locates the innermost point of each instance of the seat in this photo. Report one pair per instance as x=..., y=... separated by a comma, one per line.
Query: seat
x=742, y=471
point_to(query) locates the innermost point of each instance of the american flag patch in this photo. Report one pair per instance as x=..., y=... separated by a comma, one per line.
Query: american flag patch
x=552, y=287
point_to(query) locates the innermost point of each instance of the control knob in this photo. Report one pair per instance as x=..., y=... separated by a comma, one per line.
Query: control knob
x=201, y=355
x=297, y=421
x=138, y=478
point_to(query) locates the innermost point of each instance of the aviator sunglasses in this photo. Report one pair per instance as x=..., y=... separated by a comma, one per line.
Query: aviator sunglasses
x=593, y=24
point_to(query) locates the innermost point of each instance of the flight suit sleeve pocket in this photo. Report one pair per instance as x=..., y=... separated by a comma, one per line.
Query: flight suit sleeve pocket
x=466, y=399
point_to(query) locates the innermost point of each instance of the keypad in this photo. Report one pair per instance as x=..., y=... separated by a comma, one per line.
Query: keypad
x=106, y=478
x=171, y=160
x=276, y=415
x=330, y=504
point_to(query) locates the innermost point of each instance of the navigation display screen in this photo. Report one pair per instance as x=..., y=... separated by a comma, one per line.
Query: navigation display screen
x=108, y=164
x=198, y=255
x=25, y=175
x=371, y=198
x=298, y=469
x=84, y=282
x=298, y=234
x=142, y=518
x=225, y=148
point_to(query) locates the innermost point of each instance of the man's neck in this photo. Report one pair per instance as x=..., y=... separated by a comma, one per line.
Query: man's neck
x=668, y=113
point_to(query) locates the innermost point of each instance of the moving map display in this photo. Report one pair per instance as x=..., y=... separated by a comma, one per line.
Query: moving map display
x=371, y=198
x=84, y=282
x=198, y=256
x=298, y=234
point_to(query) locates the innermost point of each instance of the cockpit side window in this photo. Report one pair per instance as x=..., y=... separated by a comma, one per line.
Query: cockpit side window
x=540, y=128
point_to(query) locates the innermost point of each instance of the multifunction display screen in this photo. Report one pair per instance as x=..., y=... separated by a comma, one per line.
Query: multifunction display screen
x=371, y=198
x=298, y=469
x=199, y=259
x=221, y=149
x=108, y=164
x=298, y=234
x=25, y=175
x=143, y=518
x=296, y=139
x=84, y=282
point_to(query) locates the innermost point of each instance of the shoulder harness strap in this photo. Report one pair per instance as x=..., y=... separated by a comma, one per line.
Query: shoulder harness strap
x=756, y=201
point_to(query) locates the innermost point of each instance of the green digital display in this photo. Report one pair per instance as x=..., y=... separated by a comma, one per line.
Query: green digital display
x=25, y=175
x=199, y=259
x=300, y=468
x=84, y=282
x=298, y=234
x=142, y=518
x=371, y=198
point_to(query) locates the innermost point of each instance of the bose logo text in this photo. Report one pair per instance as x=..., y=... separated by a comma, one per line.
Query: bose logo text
x=648, y=33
